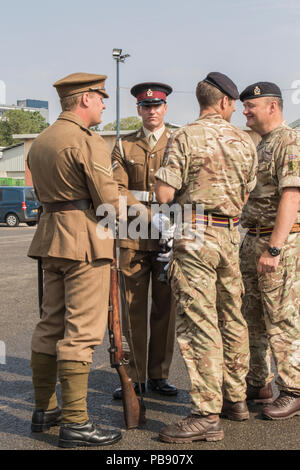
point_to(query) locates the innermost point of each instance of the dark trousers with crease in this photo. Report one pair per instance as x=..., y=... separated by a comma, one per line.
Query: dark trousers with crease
x=153, y=352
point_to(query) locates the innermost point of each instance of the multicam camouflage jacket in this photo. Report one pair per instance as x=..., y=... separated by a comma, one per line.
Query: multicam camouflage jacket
x=278, y=168
x=210, y=162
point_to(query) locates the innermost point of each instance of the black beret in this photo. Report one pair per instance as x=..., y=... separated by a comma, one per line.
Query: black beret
x=223, y=83
x=260, y=89
x=150, y=93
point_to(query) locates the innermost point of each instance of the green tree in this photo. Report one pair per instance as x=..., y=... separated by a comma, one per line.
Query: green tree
x=18, y=121
x=95, y=128
x=126, y=124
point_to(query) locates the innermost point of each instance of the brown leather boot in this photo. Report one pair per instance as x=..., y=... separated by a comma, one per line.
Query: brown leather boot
x=194, y=428
x=260, y=394
x=284, y=407
x=237, y=411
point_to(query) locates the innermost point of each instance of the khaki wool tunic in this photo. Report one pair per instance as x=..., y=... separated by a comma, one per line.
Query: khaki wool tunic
x=68, y=162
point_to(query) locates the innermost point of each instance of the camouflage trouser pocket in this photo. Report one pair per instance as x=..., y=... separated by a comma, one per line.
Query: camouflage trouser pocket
x=180, y=288
x=275, y=291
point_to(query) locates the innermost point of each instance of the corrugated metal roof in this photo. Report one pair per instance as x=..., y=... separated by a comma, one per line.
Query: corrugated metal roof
x=13, y=158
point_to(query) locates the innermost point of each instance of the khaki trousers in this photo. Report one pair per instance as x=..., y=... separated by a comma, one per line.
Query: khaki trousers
x=138, y=267
x=75, y=308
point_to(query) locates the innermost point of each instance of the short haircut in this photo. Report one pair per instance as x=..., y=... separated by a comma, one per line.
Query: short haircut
x=208, y=95
x=70, y=102
x=278, y=100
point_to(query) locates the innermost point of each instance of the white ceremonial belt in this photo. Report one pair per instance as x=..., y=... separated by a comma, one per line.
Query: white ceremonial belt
x=144, y=196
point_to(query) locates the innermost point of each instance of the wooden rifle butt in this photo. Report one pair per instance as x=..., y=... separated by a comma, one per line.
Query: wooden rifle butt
x=134, y=413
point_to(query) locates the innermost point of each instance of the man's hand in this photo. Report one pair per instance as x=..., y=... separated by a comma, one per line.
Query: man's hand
x=267, y=263
x=165, y=258
x=163, y=224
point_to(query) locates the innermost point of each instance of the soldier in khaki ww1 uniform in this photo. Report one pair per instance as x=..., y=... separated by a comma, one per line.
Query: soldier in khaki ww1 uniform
x=72, y=176
x=135, y=159
x=213, y=164
x=270, y=255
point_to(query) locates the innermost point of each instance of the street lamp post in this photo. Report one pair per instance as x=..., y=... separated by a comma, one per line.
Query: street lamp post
x=117, y=55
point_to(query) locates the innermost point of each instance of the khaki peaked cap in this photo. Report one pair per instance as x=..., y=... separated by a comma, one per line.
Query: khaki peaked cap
x=79, y=83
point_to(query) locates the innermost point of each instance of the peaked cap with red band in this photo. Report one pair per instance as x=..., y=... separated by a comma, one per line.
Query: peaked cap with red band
x=151, y=93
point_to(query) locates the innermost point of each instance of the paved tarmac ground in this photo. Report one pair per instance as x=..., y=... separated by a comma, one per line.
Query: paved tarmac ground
x=18, y=316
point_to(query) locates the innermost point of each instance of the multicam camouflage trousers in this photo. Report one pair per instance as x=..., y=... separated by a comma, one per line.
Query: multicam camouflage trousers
x=211, y=331
x=271, y=308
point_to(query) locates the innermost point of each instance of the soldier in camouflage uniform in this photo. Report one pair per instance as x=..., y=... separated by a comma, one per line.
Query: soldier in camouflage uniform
x=270, y=255
x=212, y=163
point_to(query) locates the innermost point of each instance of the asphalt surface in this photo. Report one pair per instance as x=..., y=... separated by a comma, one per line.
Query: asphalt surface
x=18, y=316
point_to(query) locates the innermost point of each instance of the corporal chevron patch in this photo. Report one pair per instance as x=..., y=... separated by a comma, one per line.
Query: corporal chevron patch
x=103, y=169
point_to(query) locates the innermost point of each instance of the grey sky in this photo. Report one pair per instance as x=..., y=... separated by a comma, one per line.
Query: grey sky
x=173, y=41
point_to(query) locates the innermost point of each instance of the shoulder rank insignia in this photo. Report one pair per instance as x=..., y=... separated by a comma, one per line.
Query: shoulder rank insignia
x=257, y=90
x=149, y=92
x=103, y=169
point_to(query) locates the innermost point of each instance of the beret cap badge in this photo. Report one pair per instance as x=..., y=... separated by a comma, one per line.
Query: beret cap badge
x=257, y=90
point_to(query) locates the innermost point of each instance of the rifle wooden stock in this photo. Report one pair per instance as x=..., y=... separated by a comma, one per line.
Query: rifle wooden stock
x=133, y=413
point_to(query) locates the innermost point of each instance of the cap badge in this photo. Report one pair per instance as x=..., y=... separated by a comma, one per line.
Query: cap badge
x=257, y=90
x=149, y=92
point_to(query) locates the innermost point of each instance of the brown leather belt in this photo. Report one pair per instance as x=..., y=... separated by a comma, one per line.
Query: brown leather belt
x=80, y=204
x=266, y=231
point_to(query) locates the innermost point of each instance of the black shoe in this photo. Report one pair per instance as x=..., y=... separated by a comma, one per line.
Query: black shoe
x=86, y=435
x=43, y=420
x=118, y=392
x=162, y=386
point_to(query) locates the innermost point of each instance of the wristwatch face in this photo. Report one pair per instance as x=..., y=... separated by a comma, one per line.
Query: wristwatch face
x=273, y=250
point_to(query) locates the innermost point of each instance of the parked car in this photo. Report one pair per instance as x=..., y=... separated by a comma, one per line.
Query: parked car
x=18, y=204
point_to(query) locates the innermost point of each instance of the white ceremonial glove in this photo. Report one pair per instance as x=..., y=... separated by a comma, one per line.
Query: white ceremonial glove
x=165, y=257
x=162, y=223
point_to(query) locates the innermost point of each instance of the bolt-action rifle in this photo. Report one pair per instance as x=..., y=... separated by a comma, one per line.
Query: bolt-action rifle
x=134, y=412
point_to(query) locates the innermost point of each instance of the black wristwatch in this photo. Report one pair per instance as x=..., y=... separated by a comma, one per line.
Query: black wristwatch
x=274, y=251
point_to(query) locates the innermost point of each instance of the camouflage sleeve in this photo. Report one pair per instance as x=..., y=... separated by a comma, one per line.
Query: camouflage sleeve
x=287, y=162
x=251, y=183
x=175, y=160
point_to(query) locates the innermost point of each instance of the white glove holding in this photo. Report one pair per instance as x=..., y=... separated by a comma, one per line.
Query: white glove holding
x=165, y=257
x=162, y=223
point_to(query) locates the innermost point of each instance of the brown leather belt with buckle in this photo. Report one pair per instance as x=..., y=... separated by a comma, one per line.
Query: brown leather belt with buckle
x=266, y=231
x=80, y=204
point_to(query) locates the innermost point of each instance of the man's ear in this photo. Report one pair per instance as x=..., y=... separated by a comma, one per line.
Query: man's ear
x=85, y=99
x=273, y=107
x=224, y=102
